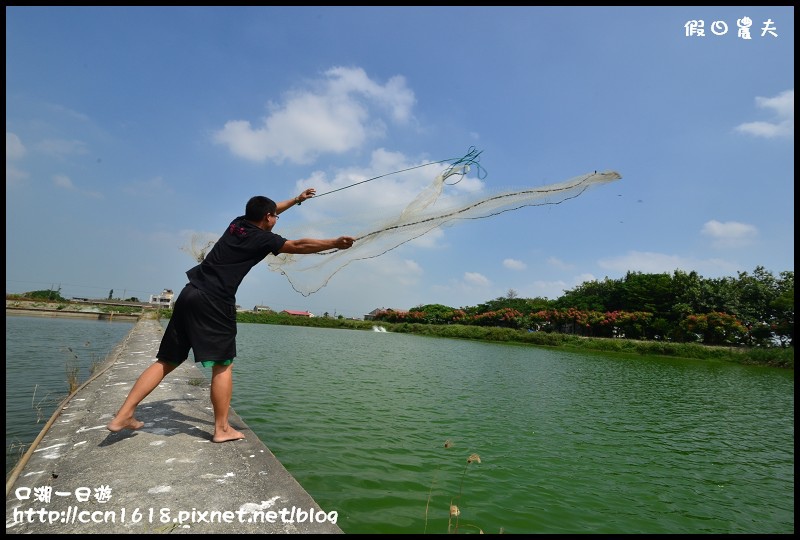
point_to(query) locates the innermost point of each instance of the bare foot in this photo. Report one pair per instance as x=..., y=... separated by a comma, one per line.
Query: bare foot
x=118, y=424
x=226, y=435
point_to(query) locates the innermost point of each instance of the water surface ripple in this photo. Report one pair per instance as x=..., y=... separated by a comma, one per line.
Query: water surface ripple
x=568, y=443
x=40, y=354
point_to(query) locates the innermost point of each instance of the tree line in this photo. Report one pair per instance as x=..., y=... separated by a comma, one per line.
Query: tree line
x=752, y=309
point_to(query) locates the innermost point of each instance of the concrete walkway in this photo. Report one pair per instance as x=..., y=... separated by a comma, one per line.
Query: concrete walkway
x=167, y=477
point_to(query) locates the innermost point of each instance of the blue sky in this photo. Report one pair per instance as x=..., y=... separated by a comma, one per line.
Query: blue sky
x=131, y=131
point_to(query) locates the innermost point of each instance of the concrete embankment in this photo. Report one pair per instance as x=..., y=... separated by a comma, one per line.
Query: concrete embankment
x=71, y=314
x=169, y=476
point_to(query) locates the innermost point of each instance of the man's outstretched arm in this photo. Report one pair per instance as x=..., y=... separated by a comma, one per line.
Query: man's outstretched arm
x=315, y=245
x=288, y=203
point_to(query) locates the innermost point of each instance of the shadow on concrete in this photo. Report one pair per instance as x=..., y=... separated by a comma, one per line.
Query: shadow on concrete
x=166, y=418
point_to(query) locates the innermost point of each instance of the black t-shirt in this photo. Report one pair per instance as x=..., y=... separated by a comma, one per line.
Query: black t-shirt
x=241, y=247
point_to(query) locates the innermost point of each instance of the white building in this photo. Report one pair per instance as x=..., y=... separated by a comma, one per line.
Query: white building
x=163, y=300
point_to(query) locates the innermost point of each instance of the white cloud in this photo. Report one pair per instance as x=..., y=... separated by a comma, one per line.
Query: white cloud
x=514, y=264
x=63, y=181
x=14, y=176
x=730, y=233
x=782, y=106
x=14, y=147
x=474, y=278
x=582, y=278
x=62, y=147
x=394, y=96
x=555, y=288
x=430, y=240
x=558, y=263
x=335, y=117
x=14, y=150
x=153, y=187
x=546, y=289
x=404, y=272
x=659, y=263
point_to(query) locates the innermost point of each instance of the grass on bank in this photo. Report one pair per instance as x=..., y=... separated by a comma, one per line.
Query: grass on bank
x=782, y=357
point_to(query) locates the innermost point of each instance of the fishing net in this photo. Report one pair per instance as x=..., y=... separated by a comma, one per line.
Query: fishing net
x=429, y=211
x=309, y=273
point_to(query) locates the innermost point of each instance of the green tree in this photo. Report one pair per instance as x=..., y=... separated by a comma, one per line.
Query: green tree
x=782, y=309
x=435, y=313
x=47, y=295
x=523, y=305
x=593, y=295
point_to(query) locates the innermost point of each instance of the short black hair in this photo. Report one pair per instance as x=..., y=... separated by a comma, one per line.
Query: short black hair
x=258, y=206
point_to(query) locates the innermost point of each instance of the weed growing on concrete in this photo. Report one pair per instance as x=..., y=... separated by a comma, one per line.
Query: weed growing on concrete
x=73, y=369
x=38, y=406
x=14, y=452
x=96, y=363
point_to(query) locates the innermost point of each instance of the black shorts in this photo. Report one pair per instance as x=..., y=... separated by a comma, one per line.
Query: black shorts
x=201, y=323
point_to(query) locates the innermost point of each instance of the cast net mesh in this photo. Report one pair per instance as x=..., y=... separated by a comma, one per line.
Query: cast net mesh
x=427, y=212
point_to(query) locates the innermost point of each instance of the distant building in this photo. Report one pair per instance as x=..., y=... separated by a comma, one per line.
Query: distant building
x=297, y=313
x=261, y=308
x=371, y=315
x=163, y=300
